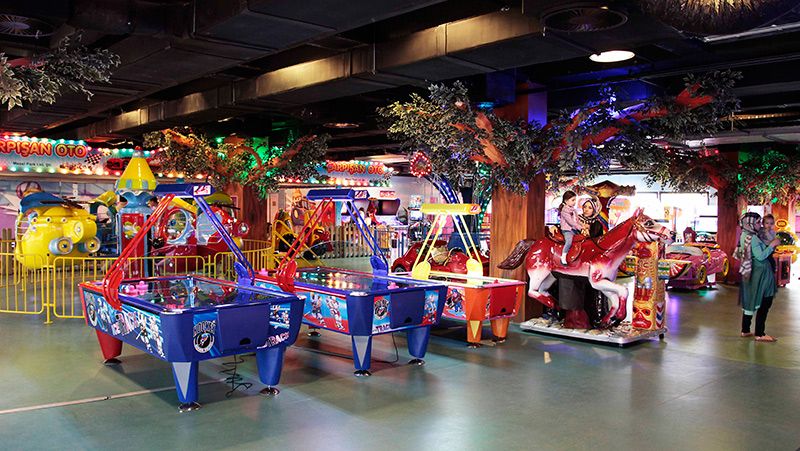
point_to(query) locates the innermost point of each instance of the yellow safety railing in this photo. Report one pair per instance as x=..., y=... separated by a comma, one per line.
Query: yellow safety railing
x=54, y=290
x=7, y=246
x=280, y=231
x=69, y=272
x=23, y=291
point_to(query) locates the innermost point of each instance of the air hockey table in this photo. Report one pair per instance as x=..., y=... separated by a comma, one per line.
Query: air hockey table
x=183, y=320
x=357, y=303
x=186, y=319
x=475, y=299
x=471, y=297
x=363, y=305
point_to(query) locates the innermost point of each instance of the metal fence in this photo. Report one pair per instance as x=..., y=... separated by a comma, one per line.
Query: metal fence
x=54, y=290
x=23, y=291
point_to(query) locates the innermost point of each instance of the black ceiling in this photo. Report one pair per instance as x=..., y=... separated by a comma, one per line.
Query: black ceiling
x=262, y=67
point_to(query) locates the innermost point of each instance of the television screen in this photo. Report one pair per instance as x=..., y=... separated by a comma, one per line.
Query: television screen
x=388, y=207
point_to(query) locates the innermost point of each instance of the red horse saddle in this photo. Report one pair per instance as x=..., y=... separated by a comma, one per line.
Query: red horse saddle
x=557, y=237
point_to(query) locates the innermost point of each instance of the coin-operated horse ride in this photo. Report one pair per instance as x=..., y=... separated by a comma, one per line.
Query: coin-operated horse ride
x=595, y=258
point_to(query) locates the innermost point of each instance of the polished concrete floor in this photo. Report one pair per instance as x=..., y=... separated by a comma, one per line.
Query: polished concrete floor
x=704, y=387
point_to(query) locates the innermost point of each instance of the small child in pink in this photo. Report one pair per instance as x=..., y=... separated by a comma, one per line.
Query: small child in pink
x=569, y=221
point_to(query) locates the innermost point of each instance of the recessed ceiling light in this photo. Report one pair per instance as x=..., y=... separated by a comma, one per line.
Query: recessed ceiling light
x=340, y=125
x=612, y=56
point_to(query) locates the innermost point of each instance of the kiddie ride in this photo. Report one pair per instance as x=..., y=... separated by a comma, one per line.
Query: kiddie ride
x=183, y=231
x=186, y=319
x=49, y=227
x=356, y=303
x=596, y=259
x=442, y=257
x=107, y=226
x=283, y=237
x=706, y=261
x=471, y=297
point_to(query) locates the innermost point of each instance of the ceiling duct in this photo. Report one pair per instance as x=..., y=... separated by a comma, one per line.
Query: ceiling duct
x=128, y=17
x=583, y=17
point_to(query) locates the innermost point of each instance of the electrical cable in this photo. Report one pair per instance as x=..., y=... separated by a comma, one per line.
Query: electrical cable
x=235, y=379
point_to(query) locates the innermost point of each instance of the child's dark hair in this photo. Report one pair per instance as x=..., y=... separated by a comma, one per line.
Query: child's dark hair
x=568, y=194
x=769, y=216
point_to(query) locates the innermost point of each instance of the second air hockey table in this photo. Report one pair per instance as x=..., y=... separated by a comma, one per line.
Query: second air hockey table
x=357, y=303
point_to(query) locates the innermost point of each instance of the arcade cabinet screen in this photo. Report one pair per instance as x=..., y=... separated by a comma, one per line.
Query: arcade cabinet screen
x=388, y=207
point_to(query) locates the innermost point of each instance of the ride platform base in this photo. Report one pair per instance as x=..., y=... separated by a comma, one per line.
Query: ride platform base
x=621, y=335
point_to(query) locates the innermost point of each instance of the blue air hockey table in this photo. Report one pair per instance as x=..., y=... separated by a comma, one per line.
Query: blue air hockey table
x=356, y=303
x=186, y=319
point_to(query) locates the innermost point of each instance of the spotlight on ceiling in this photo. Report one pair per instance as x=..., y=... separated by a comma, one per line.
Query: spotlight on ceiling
x=340, y=125
x=612, y=56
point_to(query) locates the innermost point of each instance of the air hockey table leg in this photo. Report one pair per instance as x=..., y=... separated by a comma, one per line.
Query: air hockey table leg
x=110, y=346
x=270, y=364
x=474, y=333
x=362, y=354
x=185, y=374
x=418, y=343
x=500, y=329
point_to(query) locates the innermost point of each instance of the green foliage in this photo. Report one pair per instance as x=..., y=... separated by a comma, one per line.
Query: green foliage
x=432, y=125
x=191, y=153
x=572, y=148
x=302, y=165
x=426, y=125
x=67, y=68
x=768, y=175
x=200, y=158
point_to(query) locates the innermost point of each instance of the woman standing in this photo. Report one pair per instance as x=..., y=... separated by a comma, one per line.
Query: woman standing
x=758, y=278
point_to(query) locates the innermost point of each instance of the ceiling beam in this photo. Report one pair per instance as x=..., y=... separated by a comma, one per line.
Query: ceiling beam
x=350, y=73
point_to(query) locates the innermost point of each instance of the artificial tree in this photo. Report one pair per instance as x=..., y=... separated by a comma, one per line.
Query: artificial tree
x=236, y=159
x=768, y=177
x=462, y=142
x=70, y=66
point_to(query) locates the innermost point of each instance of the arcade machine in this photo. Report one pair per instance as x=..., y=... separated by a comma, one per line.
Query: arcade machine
x=186, y=319
x=471, y=297
x=786, y=253
x=649, y=295
x=356, y=303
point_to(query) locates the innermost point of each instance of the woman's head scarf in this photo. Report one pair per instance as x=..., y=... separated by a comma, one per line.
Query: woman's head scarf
x=749, y=222
x=595, y=206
